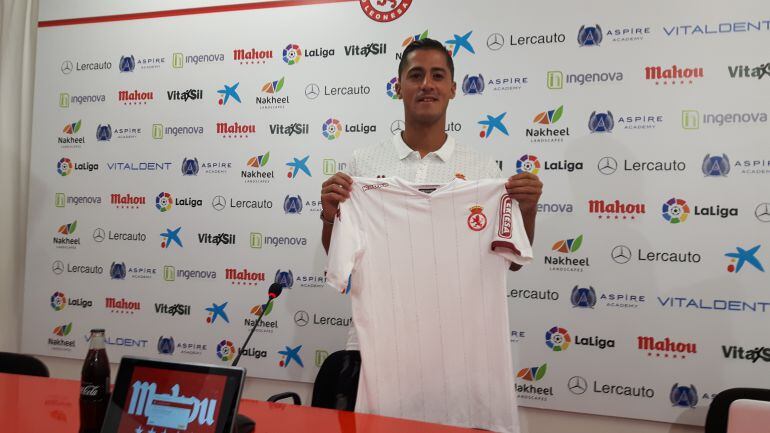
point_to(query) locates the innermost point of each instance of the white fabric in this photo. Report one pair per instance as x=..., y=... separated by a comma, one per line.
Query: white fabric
x=393, y=158
x=748, y=416
x=18, y=20
x=428, y=275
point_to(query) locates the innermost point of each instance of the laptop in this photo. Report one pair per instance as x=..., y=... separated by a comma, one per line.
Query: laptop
x=157, y=396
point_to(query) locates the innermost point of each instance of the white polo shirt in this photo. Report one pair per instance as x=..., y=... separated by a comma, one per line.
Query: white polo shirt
x=393, y=158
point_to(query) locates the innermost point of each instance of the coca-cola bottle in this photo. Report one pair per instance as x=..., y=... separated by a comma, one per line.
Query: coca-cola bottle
x=94, y=385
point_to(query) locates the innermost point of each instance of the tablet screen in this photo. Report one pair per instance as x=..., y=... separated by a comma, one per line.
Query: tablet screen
x=154, y=397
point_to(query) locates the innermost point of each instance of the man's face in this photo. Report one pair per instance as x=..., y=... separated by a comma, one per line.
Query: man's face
x=426, y=86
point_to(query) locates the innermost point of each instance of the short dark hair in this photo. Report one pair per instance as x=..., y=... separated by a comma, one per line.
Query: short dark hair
x=426, y=44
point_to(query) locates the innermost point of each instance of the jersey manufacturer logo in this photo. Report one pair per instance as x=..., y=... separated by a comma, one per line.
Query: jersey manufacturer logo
x=505, y=230
x=477, y=221
x=460, y=176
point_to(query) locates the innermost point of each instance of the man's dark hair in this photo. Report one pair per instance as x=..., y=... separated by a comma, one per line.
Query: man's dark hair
x=426, y=44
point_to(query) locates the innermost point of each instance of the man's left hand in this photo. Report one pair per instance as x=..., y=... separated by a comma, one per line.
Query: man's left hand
x=526, y=188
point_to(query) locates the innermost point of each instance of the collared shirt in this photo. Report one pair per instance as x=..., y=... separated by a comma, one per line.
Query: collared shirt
x=393, y=158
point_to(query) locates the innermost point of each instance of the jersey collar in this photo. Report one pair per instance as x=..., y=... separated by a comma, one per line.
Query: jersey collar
x=444, y=153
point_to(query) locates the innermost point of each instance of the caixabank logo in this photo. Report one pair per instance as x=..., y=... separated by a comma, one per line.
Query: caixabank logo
x=673, y=75
x=229, y=94
x=460, y=44
x=65, y=167
x=491, y=124
x=252, y=56
x=676, y=210
x=273, y=97
x=548, y=133
x=65, y=237
x=71, y=139
x=744, y=258
x=385, y=11
x=565, y=256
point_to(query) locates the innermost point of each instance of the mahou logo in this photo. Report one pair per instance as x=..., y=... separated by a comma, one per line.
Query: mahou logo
x=244, y=277
x=235, y=130
x=616, y=210
x=673, y=75
x=252, y=56
x=665, y=348
x=135, y=97
x=127, y=201
x=122, y=305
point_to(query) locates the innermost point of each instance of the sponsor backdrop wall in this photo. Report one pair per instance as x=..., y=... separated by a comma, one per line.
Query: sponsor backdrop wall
x=177, y=164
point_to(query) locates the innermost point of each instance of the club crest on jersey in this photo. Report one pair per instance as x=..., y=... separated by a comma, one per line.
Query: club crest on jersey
x=477, y=221
x=460, y=176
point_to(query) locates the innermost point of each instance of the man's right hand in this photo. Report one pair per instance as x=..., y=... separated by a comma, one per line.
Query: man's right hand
x=334, y=191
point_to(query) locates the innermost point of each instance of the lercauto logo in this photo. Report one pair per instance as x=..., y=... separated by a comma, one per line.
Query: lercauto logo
x=528, y=164
x=273, y=86
x=601, y=122
x=385, y=11
x=532, y=374
x=298, y=165
x=741, y=256
x=290, y=354
x=549, y=117
x=557, y=339
x=676, y=210
x=58, y=301
x=229, y=92
x=64, y=166
x=225, y=350
x=163, y=202
x=331, y=129
x=491, y=123
x=292, y=54
x=590, y=36
x=683, y=396
x=390, y=88
x=567, y=246
x=170, y=237
x=458, y=43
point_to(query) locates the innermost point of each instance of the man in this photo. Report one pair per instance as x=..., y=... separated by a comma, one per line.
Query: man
x=423, y=152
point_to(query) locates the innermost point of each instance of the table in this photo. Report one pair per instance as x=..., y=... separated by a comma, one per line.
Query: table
x=45, y=405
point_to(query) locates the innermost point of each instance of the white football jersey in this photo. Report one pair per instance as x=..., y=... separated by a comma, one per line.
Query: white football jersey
x=428, y=266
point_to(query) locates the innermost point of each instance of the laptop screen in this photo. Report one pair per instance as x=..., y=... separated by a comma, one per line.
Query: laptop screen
x=173, y=397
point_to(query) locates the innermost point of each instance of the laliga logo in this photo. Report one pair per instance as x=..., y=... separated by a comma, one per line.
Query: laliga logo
x=583, y=297
x=528, y=163
x=557, y=339
x=292, y=54
x=683, y=396
x=676, y=210
x=590, y=36
x=390, y=88
x=331, y=129
x=385, y=11
x=64, y=166
x=225, y=350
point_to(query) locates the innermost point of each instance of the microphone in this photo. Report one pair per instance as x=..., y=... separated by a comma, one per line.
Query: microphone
x=273, y=292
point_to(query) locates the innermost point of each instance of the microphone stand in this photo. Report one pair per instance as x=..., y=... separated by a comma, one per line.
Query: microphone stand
x=243, y=420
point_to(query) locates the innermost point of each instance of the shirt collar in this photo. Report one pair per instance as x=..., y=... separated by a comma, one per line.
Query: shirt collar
x=444, y=153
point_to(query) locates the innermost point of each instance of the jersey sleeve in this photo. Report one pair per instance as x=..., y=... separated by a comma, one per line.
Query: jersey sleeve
x=346, y=246
x=510, y=240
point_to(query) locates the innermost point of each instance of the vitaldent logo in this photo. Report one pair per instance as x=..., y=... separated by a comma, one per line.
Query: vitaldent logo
x=718, y=29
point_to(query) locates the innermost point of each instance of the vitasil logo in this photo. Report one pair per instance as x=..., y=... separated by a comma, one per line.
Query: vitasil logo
x=460, y=43
x=100, y=235
x=672, y=75
x=122, y=305
x=59, y=301
x=244, y=277
x=547, y=134
x=127, y=201
x=492, y=123
x=216, y=239
x=235, y=129
x=564, y=257
x=676, y=210
x=700, y=29
x=66, y=166
x=531, y=164
x=746, y=71
x=185, y=95
x=289, y=129
x=64, y=344
x=170, y=273
x=172, y=309
x=760, y=353
x=252, y=56
x=370, y=49
x=67, y=240
x=270, y=100
x=65, y=99
x=665, y=348
x=258, y=175
x=385, y=11
x=555, y=79
x=159, y=131
x=135, y=97
x=179, y=60
x=616, y=210
x=69, y=140
x=741, y=257
x=139, y=166
x=723, y=305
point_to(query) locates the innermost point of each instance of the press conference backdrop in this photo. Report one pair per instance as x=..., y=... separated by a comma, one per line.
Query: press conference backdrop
x=177, y=163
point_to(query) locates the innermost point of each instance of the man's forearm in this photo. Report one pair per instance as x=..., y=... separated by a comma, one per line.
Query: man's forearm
x=326, y=236
x=529, y=227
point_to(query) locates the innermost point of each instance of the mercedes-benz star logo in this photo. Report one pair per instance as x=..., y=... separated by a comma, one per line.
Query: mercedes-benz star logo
x=301, y=318
x=495, y=41
x=312, y=91
x=66, y=67
x=762, y=212
x=607, y=165
x=58, y=267
x=218, y=202
x=577, y=385
x=621, y=254
x=99, y=235
x=397, y=126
